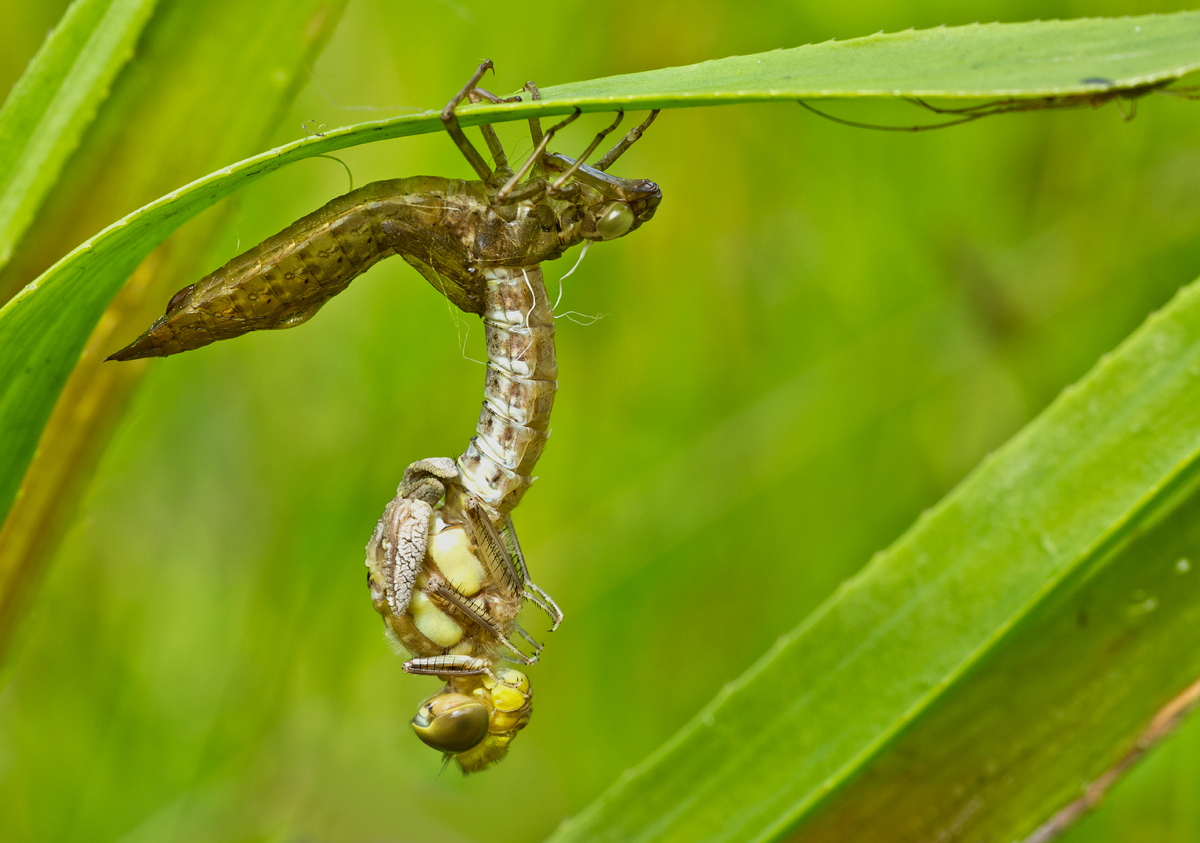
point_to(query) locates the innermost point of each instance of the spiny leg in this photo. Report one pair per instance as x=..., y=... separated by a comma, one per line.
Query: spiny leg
x=449, y=666
x=503, y=171
x=506, y=563
x=533, y=642
x=561, y=180
x=475, y=612
x=629, y=140
x=532, y=590
x=535, y=123
x=495, y=553
x=505, y=193
x=450, y=121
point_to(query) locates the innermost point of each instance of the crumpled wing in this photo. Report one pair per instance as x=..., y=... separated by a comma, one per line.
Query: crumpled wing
x=396, y=551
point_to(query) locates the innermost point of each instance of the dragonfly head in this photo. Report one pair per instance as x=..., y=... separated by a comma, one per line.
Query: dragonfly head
x=616, y=213
x=475, y=718
x=612, y=206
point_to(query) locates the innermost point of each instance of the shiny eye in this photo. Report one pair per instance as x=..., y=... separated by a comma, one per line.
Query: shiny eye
x=451, y=723
x=614, y=221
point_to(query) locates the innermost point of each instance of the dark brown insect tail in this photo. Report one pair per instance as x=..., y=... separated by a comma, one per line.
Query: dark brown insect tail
x=138, y=349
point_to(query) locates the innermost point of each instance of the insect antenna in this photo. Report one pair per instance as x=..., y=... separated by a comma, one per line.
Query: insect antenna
x=629, y=140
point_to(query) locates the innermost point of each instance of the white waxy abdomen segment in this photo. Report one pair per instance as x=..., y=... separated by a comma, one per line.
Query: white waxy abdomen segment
x=451, y=551
x=432, y=622
x=522, y=373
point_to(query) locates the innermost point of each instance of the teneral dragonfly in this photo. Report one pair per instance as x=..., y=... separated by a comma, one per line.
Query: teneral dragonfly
x=445, y=568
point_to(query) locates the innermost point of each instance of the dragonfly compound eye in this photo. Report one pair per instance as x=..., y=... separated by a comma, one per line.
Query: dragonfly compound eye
x=614, y=221
x=451, y=722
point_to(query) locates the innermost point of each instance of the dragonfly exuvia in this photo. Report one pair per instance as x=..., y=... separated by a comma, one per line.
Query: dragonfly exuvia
x=444, y=565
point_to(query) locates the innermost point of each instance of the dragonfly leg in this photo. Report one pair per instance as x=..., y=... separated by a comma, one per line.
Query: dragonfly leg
x=503, y=171
x=530, y=590
x=535, y=123
x=449, y=666
x=629, y=140
x=450, y=121
x=506, y=562
x=532, y=642
x=504, y=194
x=561, y=180
x=492, y=548
x=475, y=612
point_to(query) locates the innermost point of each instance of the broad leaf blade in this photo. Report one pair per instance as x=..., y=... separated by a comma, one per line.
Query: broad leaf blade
x=42, y=330
x=55, y=101
x=182, y=77
x=1036, y=59
x=943, y=639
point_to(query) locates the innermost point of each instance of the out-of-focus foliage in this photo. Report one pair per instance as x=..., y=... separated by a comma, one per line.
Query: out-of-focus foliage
x=871, y=312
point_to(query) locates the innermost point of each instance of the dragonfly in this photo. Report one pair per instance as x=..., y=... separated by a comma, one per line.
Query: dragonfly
x=444, y=566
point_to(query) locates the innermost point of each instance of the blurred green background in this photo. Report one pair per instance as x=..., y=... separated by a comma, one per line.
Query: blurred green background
x=820, y=333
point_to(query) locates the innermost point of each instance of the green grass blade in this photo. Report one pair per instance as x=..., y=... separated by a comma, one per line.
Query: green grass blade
x=1037, y=59
x=181, y=78
x=43, y=328
x=1021, y=634
x=55, y=101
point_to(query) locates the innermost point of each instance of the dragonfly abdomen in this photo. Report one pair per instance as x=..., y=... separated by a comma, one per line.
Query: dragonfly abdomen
x=284, y=281
x=519, y=388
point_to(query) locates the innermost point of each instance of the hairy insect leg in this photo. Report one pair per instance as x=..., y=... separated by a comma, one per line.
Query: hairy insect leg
x=449, y=666
x=503, y=171
x=506, y=563
x=561, y=180
x=450, y=121
x=505, y=194
x=532, y=641
x=533, y=593
x=535, y=123
x=477, y=613
x=495, y=554
x=629, y=140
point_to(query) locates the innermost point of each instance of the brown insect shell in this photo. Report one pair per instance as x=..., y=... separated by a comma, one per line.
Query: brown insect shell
x=448, y=229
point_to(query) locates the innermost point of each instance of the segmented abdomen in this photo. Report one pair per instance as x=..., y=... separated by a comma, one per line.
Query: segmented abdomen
x=286, y=279
x=518, y=391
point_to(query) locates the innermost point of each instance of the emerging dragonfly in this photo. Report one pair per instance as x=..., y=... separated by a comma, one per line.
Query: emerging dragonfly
x=445, y=568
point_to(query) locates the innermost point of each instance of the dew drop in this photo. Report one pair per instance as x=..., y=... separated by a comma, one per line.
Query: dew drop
x=1183, y=566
